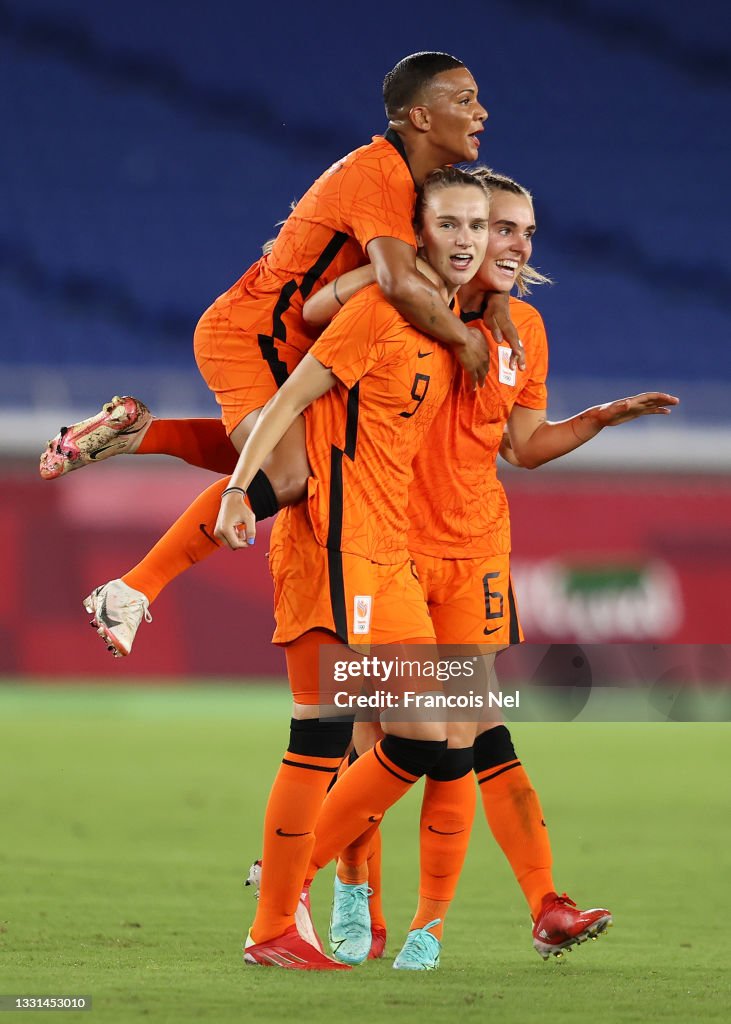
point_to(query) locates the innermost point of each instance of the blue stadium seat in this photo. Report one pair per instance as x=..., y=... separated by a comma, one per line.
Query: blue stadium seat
x=154, y=150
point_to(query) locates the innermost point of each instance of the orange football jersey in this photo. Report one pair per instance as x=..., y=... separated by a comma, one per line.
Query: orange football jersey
x=368, y=194
x=362, y=435
x=457, y=505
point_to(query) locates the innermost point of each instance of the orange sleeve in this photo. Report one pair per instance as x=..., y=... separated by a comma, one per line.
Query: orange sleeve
x=534, y=393
x=377, y=198
x=356, y=339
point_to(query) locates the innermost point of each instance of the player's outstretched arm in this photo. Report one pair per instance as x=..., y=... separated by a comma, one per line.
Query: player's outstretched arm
x=236, y=523
x=534, y=440
x=420, y=302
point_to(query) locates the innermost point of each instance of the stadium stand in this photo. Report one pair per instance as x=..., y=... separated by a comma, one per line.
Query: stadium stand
x=150, y=148
x=148, y=166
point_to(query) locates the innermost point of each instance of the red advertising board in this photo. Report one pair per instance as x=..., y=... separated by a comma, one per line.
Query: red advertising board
x=597, y=559
x=602, y=558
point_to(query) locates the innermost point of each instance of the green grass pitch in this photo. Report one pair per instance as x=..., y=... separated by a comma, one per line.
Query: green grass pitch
x=128, y=818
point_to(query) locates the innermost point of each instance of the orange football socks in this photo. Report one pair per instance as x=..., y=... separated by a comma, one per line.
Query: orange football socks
x=294, y=805
x=361, y=862
x=316, y=749
x=353, y=862
x=188, y=541
x=447, y=813
x=365, y=792
x=514, y=814
x=200, y=442
x=375, y=900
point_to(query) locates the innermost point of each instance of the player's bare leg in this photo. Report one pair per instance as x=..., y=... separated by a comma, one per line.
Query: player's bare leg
x=287, y=468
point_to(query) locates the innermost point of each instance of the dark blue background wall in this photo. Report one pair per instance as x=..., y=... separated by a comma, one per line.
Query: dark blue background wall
x=149, y=148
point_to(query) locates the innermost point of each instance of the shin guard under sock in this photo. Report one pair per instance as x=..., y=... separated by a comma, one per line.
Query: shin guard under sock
x=315, y=751
x=514, y=814
x=365, y=792
x=447, y=813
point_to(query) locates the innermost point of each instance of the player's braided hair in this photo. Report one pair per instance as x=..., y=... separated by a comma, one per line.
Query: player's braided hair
x=443, y=177
x=402, y=85
x=493, y=181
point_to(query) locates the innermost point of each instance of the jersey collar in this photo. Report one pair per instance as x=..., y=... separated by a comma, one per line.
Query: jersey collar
x=398, y=144
x=469, y=318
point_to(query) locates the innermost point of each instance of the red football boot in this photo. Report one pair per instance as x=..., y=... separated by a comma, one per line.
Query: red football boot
x=303, y=913
x=303, y=919
x=290, y=951
x=561, y=925
x=378, y=942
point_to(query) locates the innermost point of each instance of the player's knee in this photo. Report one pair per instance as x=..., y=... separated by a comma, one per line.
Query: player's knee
x=434, y=731
x=493, y=747
x=365, y=736
x=288, y=472
x=454, y=763
x=415, y=756
x=461, y=734
x=320, y=737
x=290, y=487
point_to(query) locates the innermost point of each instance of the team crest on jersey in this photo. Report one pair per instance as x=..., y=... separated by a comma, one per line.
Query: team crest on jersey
x=362, y=605
x=506, y=375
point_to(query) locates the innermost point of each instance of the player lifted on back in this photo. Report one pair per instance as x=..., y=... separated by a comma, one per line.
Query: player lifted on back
x=251, y=338
x=369, y=403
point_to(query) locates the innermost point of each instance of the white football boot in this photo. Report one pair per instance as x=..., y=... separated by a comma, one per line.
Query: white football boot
x=117, y=612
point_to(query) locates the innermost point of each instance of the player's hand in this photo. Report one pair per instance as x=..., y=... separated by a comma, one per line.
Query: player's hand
x=497, y=318
x=651, y=403
x=236, y=523
x=473, y=355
